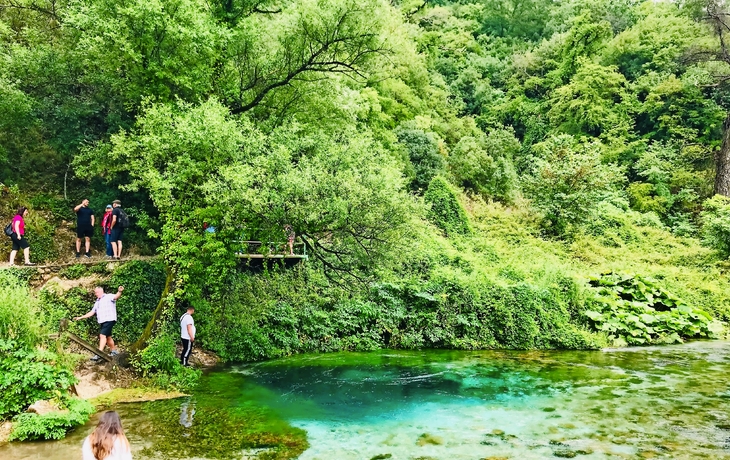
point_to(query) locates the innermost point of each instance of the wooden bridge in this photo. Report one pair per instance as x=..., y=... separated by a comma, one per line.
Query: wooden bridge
x=258, y=254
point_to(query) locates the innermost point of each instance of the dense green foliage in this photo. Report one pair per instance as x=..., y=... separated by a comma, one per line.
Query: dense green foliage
x=159, y=363
x=716, y=224
x=636, y=310
x=28, y=376
x=445, y=211
x=53, y=425
x=542, y=140
x=28, y=373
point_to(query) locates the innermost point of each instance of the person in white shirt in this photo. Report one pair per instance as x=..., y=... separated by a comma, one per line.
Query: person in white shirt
x=107, y=441
x=105, y=309
x=187, y=333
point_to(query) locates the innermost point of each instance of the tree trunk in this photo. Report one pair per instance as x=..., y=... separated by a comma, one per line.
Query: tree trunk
x=722, y=162
x=142, y=342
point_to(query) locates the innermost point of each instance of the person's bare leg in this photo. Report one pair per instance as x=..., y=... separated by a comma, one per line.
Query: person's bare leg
x=26, y=253
x=88, y=244
x=102, y=342
x=115, y=249
x=119, y=243
x=12, y=257
x=78, y=244
x=110, y=342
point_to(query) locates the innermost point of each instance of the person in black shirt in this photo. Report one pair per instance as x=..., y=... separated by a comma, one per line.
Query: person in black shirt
x=117, y=229
x=84, y=226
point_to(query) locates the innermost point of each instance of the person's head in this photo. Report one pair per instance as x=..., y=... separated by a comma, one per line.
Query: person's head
x=85, y=203
x=106, y=432
x=117, y=203
x=191, y=310
x=22, y=211
x=98, y=292
x=108, y=208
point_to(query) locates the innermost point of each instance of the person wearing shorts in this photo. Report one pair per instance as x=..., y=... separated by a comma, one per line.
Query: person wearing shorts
x=18, y=237
x=84, y=227
x=117, y=231
x=105, y=309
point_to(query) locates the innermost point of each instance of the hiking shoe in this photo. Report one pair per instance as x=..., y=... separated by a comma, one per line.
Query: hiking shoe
x=96, y=358
x=114, y=353
x=78, y=254
x=88, y=255
x=30, y=264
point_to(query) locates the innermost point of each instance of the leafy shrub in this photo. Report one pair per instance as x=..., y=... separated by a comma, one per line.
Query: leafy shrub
x=298, y=311
x=716, y=224
x=158, y=362
x=19, y=320
x=423, y=153
x=159, y=355
x=446, y=212
x=73, y=272
x=60, y=209
x=76, y=301
x=27, y=376
x=53, y=425
x=484, y=165
x=568, y=180
x=636, y=310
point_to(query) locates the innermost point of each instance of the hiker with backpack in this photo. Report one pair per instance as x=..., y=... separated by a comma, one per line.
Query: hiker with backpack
x=16, y=231
x=119, y=222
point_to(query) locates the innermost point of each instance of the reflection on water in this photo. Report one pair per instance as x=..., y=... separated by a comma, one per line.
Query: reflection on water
x=669, y=402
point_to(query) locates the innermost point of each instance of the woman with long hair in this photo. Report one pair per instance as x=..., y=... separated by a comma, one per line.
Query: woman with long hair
x=107, y=441
x=18, y=236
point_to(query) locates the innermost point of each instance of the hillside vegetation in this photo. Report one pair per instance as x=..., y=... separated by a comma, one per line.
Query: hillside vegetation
x=471, y=174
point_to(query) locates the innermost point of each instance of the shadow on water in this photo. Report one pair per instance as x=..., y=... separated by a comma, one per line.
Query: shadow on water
x=670, y=402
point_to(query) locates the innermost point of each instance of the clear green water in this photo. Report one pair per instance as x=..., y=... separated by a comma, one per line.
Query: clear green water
x=669, y=402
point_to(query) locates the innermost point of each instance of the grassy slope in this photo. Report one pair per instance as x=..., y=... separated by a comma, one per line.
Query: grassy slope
x=622, y=241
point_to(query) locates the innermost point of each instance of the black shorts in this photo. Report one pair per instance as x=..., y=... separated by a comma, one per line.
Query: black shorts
x=117, y=233
x=20, y=244
x=86, y=231
x=105, y=328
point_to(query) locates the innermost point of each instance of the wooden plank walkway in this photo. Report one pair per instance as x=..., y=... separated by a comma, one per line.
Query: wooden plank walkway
x=79, y=261
x=270, y=256
x=63, y=329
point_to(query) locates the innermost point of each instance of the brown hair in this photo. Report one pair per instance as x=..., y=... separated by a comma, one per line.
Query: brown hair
x=21, y=211
x=106, y=432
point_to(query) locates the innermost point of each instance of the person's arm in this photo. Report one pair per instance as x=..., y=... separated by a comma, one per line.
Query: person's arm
x=17, y=229
x=88, y=315
x=77, y=207
x=92, y=220
x=119, y=292
x=190, y=333
x=114, y=221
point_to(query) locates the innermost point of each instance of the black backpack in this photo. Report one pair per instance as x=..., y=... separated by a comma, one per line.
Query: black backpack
x=9, y=229
x=123, y=218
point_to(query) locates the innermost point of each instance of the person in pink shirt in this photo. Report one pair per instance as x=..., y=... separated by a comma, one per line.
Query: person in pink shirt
x=18, y=236
x=106, y=227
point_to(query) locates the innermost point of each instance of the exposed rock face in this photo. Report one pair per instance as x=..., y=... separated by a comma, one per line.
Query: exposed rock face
x=43, y=407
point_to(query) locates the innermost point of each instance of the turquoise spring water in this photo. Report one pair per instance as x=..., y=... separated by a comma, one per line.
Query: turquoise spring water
x=668, y=402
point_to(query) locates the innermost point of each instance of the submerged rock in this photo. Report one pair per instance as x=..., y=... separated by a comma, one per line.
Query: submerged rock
x=426, y=438
x=381, y=456
x=565, y=453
